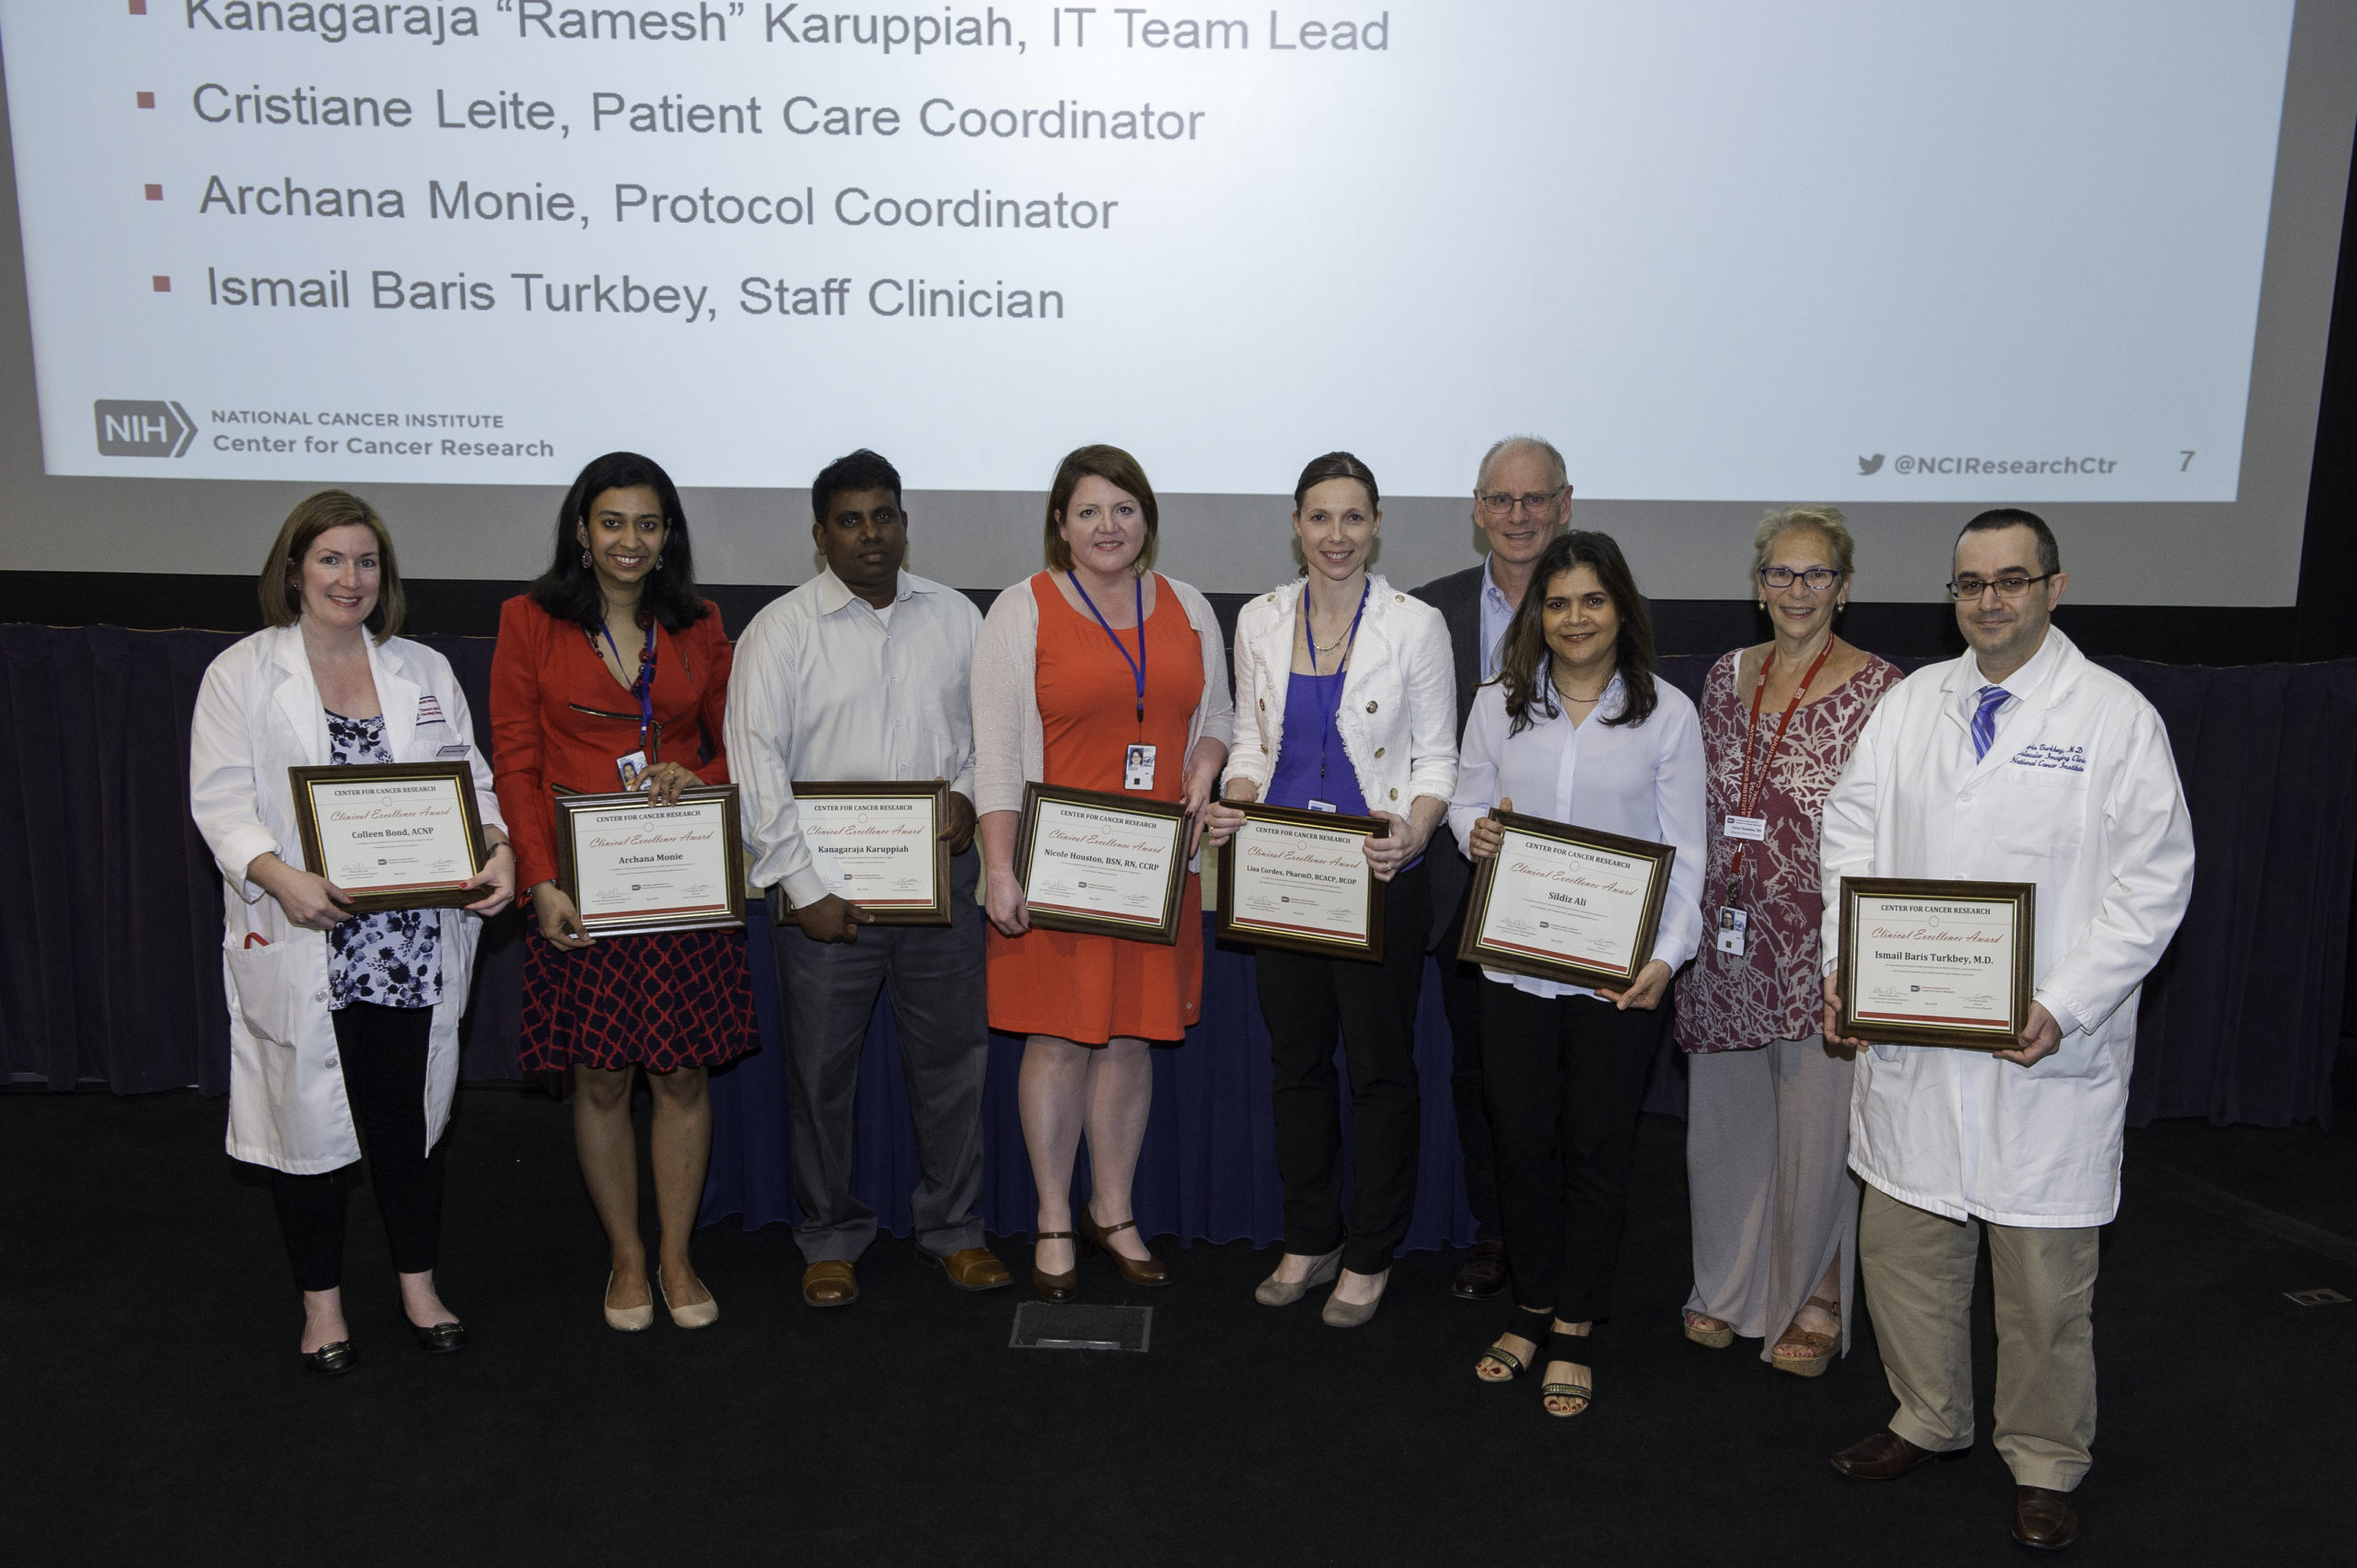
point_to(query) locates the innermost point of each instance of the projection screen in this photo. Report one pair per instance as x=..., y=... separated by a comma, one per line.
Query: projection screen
x=1911, y=260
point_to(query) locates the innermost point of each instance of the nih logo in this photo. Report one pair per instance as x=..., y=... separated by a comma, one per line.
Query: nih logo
x=141, y=429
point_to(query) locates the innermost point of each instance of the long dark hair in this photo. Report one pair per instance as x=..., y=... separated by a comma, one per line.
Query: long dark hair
x=568, y=589
x=1523, y=666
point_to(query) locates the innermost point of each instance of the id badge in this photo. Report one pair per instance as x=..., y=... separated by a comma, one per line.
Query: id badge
x=629, y=765
x=1324, y=806
x=1750, y=829
x=1137, y=767
x=1733, y=923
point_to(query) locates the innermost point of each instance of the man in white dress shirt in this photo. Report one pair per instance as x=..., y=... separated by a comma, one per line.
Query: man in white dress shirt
x=861, y=674
x=2021, y=761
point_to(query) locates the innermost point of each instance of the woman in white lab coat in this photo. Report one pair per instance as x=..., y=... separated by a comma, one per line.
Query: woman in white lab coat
x=337, y=1022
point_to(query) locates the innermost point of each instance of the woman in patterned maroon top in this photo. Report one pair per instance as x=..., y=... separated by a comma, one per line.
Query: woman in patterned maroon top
x=1768, y=1119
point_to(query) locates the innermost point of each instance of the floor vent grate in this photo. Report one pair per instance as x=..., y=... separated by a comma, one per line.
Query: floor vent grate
x=1040, y=1325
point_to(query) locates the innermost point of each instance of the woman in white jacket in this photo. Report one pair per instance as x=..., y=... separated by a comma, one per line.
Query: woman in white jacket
x=337, y=1022
x=1346, y=701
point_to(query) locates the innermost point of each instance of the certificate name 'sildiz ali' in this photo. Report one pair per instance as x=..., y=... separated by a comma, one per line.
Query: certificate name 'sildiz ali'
x=1572, y=902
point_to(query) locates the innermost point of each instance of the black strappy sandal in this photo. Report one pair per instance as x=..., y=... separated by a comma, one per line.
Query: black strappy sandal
x=1580, y=1351
x=1527, y=1325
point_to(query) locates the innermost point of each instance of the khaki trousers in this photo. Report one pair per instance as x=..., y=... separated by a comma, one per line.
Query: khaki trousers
x=1919, y=1272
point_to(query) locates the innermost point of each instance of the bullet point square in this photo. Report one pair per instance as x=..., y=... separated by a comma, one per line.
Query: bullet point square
x=155, y=193
x=161, y=283
x=146, y=100
x=138, y=7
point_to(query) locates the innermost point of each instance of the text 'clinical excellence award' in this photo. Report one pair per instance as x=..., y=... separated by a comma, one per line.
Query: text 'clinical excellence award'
x=1107, y=864
x=1566, y=903
x=1300, y=880
x=632, y=868
x=879, y=846
x=394, y=835
x=1937, y=963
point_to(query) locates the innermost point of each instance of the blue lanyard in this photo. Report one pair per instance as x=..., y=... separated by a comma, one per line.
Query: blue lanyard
x=1328, y=710
x=644, y=688
x=1137, y=665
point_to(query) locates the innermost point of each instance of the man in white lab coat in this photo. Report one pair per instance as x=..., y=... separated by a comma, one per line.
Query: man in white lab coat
x=2022, y=761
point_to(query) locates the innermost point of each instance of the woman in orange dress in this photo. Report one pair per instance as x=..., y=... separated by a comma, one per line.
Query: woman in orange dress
x=1075, y=667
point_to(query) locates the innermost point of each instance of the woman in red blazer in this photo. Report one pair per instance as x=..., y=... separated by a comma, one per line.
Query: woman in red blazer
x=610, y=674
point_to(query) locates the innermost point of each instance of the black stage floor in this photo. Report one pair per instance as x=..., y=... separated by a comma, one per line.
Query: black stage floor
x=153, y=1411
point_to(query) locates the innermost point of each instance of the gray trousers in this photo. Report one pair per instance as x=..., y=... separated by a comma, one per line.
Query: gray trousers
x=827, y=991
x=1767, y=1173
x=1919, y=1269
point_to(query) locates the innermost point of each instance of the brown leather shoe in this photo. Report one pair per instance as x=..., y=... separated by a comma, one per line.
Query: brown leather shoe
x=1484, y=1274
x=1153, y=1271
x=829, y=1282
x=1886, y=1455
x=1055, y=1287
x=970, y=1268
x=2047, y=1520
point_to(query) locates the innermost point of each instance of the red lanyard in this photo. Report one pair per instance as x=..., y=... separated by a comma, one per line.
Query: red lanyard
x=1747, y=798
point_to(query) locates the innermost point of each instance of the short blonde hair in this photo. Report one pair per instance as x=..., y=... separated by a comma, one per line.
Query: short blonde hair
x=282, y=573
x=1827, y=522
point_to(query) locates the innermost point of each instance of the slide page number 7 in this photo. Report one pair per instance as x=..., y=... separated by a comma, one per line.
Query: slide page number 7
x=2188, y=453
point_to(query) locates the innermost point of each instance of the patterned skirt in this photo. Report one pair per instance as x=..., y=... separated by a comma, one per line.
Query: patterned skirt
x=669, y=1000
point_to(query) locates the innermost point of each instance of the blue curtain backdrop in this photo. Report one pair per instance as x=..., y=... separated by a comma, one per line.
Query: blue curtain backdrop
x=111, y=973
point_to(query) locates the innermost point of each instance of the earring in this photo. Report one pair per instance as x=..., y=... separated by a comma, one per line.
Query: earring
x=585, y=555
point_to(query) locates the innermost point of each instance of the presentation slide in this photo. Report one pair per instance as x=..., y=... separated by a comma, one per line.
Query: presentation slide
x=1725, y=250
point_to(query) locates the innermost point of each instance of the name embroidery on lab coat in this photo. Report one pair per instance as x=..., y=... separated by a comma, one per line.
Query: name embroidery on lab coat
x=2043, y=754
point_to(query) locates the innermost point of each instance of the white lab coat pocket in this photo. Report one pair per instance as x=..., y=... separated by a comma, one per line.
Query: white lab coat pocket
x=2042, y=813
x=268, y=998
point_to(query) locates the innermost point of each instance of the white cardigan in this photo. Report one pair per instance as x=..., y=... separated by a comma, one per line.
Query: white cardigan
x=258, y=714
x=1398, y=718
x=1010, y=747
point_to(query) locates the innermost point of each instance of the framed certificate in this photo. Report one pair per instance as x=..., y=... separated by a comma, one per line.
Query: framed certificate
x=1107, y=864
x=1937, y=963
x=1299, y=879
x=1566, y=903
x=880, y=845
x=394, y=835
x=630, y=867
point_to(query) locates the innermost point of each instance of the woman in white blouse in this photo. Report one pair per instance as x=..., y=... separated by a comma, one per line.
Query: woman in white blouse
x=1346, y=701
x=1576, y=729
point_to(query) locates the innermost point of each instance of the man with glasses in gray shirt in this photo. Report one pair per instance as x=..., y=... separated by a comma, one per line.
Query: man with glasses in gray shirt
x=1521, y=499
x=861, y=674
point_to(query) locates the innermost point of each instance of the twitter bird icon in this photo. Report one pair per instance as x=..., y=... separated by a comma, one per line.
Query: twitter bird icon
x=1870, y=465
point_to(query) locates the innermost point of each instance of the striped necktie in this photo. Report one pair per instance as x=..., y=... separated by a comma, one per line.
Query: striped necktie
x=1984, y=721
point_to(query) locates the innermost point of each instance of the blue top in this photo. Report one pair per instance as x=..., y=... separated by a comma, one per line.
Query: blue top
x=1311, y=737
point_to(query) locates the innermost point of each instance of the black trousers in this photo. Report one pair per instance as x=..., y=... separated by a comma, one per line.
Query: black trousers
x=1461, y=985
x=1304, y=1000
x=381, y=1052
x=1565, y=1077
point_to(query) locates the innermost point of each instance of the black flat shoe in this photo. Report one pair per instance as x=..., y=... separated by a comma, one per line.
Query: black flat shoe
x=441, y=1339
x=330, y=1360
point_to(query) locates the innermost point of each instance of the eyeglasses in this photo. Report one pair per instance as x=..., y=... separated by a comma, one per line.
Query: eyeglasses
x=1821, y=579
x=1498, y=503
x=2012, y=584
